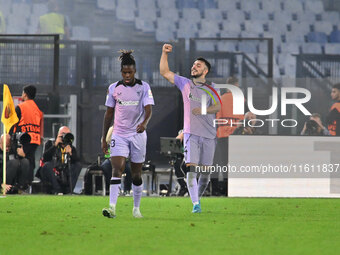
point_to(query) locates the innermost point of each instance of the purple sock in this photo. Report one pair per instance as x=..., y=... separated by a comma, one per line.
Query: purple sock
x=137, y=194
x=192, y=186
x=114, y=189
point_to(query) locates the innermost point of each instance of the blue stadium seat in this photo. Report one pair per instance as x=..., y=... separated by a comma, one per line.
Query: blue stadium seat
x=293, y=36
x=255, y=27
x=318, y=37
x=306, y=16
x=146, y=4
x=186, y=4
x=39, y=9
x=290, y=48
x=227, y=33
x=259, y=15
x=293, y=6
x=334, y=37
x=147, y=14
x=206, y=4
x=125, y=13
x=236, y=16
x=187, y=25
x=186, y=33
x=231, y=26
x=166, y=25
x=248, y=46
x=210, y=25
x=252, y=5
x=331, y=16
x=126, y=3
x=227, y=46
x=270, y=6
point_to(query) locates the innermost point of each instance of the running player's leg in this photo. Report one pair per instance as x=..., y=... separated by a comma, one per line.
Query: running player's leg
x=138, y=150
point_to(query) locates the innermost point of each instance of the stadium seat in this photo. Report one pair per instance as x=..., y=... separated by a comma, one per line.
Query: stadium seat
x=186, y=4
x=5, y=6
x=236, y=16
x=318, y=37
x=307, y=17
x=294, y=37
x=164, y=4
x=231, y=26
x=165, y=25
x=210, y=25
x=169, y=14
x=16, y=26
x=247, y=34
x=145, y=25
x=259, y=15
x=80, y=33
x=293, y=6
x=191, y=14
x=188, y=25
x=311, y=48
x=207, y=34
x=315, y=6
x=226, y=33
x=270, y=6
x=331, y=16
x=186, y=33
x=323, y=26
x=334, y=37
x=21, y=10
x=255, y=27
x=147, y=14
x=126, y=3
x=332, y=48
x=108, y=5
x=213, y=14
x=229, y=5
x=125, y=14
x=146, y=4
x=252, y=5
x=300, y=28
x=205, y=45
x=206, y=4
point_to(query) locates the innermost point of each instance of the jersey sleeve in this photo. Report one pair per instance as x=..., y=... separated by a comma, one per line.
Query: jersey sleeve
x=147, y=95
x=180, y=81
x=110, y=101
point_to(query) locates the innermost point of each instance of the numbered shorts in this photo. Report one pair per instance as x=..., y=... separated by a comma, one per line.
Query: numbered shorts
x=199, y=150
x=133, y=146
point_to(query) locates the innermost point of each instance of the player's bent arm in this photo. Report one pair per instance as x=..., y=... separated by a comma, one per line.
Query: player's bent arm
x=108, y=116
x=214, y=108
x=164, y=68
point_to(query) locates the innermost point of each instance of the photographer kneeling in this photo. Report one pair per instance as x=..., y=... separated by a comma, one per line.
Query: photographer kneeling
x=314, y=126
x=60, y=159
x=17, y=167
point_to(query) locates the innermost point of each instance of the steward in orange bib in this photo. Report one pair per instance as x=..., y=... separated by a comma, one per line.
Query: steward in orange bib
x=30, y=121
x=333, y=118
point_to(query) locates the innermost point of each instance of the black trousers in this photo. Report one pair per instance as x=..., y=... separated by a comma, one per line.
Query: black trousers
x=29, y=150
x=17, y=172
x=48, y=176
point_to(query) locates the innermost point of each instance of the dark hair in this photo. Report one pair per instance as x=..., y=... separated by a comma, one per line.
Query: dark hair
x=336, y=86
x=206, y=62
x=30, y=91
x=126, y=58
x=232, y=80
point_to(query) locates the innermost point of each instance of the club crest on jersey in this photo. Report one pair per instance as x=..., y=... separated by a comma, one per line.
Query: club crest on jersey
x=150, y=93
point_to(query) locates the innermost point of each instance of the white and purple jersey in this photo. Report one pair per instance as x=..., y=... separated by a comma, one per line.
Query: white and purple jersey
x=129, y=102
x=200, y=125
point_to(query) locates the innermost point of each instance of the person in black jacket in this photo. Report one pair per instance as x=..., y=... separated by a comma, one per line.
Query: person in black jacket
x=56, y=169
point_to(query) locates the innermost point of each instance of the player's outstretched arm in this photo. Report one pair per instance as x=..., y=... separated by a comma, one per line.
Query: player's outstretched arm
x=164, y=65
x=108, y=116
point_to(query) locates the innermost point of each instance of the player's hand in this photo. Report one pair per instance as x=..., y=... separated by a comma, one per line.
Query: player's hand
x=21, y=152
x=6, y=187
x=167, y=48
x=58, y=141
x=104, y=146
x=196, y=111
x=141, y=128
x=68, y=149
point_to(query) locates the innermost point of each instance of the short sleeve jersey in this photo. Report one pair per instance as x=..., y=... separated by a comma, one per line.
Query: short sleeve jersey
x=200, y=125
x=129, y=103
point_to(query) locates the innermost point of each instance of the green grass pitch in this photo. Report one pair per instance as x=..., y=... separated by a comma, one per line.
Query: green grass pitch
x=74, y=225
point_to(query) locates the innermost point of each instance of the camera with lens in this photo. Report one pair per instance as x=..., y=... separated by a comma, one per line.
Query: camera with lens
x=19, y=139
x=67, y=139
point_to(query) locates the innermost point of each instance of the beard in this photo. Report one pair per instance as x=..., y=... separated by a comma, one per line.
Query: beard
x=196, y=75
